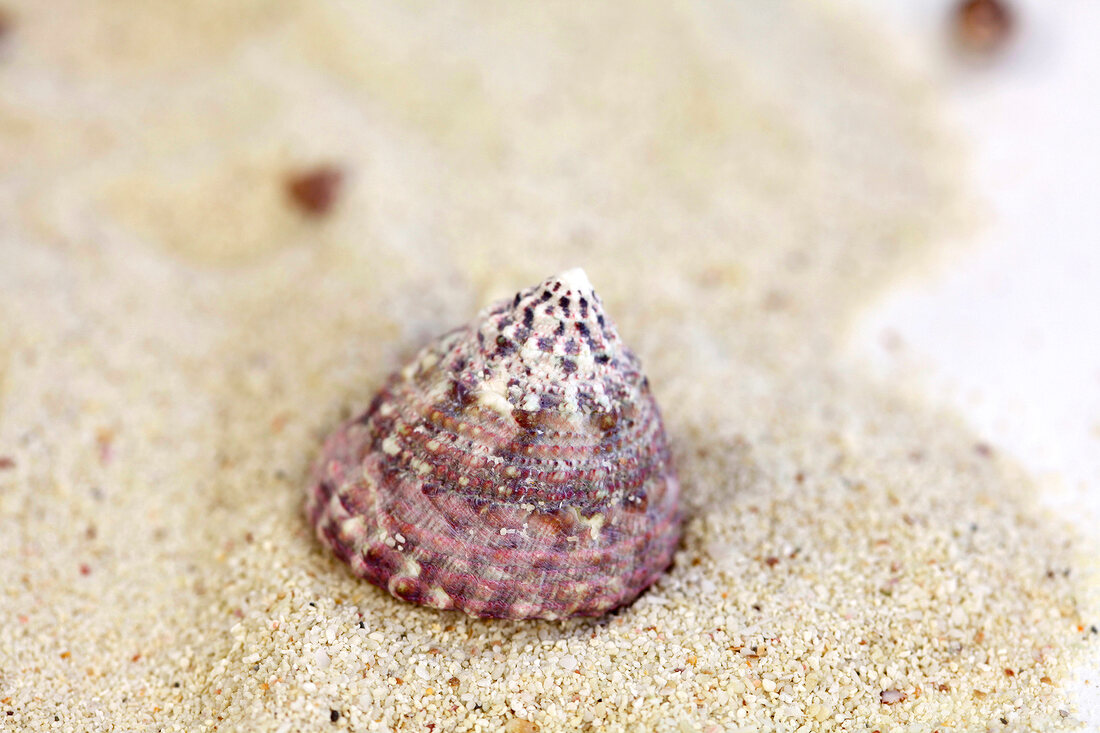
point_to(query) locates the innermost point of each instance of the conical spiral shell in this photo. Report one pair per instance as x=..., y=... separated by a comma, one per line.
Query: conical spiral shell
x=517, y=468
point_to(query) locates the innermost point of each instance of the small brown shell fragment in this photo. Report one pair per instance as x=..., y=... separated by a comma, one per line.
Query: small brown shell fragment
x=517, y=468
x=892, y=697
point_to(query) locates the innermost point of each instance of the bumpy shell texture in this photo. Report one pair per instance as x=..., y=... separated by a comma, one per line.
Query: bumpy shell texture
x=517, y=468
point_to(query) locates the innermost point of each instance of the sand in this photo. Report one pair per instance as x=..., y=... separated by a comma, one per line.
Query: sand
x=176, y=340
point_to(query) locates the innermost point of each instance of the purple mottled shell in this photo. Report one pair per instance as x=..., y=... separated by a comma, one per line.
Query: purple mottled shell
x=517, y=468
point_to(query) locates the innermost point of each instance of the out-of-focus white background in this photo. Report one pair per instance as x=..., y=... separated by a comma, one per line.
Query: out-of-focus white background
x=1009, y=332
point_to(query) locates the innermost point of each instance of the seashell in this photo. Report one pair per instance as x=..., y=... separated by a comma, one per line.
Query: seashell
x=517, y=468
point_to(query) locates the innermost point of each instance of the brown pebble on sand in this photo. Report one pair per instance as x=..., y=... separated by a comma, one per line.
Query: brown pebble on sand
x=314, y=190
x=983, y=26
